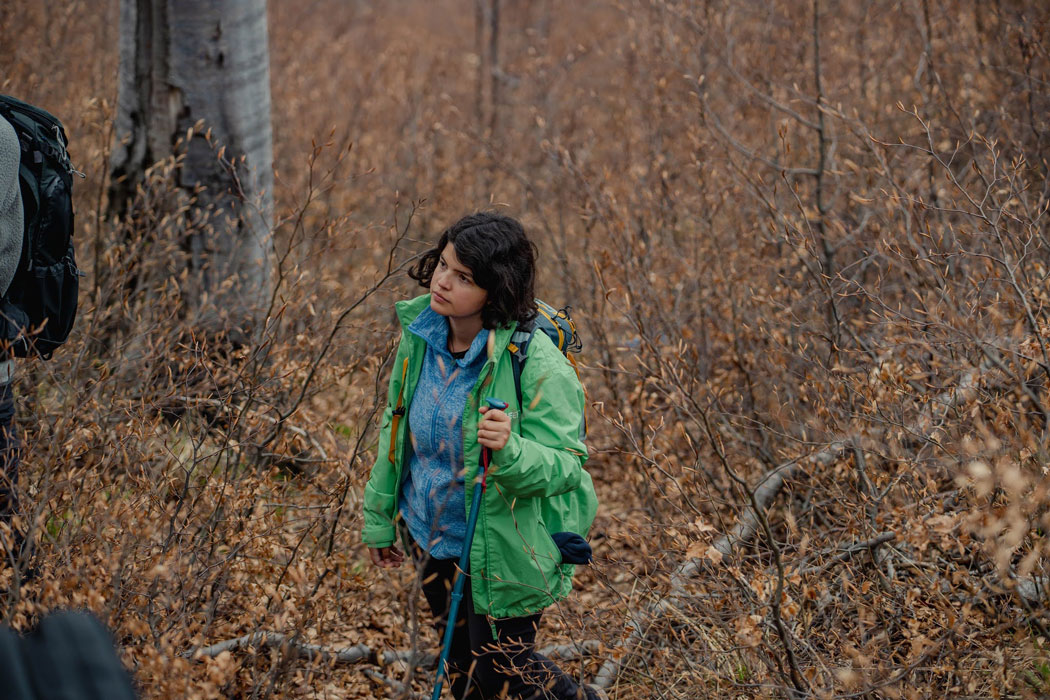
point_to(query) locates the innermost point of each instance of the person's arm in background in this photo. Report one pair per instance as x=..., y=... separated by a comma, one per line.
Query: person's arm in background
x=11, y=232
x=11, y=212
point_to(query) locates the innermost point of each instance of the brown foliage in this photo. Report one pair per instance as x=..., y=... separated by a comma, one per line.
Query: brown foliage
x=835, y=268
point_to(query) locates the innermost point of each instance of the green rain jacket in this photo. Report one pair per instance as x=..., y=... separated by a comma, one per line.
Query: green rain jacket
x=536, y=484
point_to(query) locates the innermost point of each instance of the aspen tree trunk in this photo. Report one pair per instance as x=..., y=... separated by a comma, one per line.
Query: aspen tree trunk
x=494, y=68
x=184, y=61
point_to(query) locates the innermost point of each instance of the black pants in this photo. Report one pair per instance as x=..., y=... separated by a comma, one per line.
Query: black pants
x=481, y=666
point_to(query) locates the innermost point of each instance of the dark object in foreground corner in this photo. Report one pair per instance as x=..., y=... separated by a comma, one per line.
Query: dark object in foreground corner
x=69, y=656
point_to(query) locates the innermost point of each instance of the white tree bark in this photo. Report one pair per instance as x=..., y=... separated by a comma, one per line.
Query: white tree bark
x=184, y=61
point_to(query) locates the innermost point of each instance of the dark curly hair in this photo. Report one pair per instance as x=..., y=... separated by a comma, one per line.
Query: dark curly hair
x=500, y=257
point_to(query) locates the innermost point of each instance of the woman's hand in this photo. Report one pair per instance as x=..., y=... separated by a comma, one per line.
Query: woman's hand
x=386, y=557
x=494, y=428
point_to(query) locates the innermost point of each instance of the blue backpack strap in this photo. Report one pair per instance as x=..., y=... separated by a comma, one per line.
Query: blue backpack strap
x=519, y=348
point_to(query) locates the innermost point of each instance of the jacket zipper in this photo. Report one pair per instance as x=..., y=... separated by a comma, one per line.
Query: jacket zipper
x=483, y=519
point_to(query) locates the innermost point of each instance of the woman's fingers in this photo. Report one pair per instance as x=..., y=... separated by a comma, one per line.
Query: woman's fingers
x=385, y=557
x=494, y=414
x=494, y=428
x=495, y=420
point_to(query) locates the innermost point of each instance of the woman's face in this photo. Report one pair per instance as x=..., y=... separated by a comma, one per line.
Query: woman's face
x=453, y=292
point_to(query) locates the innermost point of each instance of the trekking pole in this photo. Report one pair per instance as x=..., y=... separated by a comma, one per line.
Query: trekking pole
x=464, y=559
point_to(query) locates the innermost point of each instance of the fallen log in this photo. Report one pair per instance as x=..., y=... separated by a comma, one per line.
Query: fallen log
x=290, y=643
x=765, y=491
x=362, y=653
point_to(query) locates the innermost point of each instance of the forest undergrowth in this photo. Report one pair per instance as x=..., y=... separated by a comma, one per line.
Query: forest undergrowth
x=807, y=247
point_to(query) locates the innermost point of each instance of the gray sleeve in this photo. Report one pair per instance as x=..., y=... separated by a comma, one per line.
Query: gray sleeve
x=11, y=214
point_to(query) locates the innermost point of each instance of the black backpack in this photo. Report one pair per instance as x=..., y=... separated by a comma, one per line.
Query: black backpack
x=37, y=313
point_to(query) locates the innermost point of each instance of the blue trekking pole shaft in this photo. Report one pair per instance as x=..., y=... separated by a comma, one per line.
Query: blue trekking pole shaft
x=464, y=561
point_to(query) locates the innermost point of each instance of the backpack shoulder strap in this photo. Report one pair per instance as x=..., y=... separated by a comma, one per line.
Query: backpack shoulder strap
x=519, y=349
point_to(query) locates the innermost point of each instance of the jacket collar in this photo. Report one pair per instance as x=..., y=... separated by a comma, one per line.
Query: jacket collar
x=433, y=328
x=410, y=309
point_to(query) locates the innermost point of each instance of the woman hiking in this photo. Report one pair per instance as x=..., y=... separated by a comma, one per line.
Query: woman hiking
x=453, y=355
